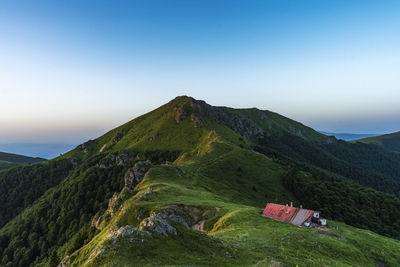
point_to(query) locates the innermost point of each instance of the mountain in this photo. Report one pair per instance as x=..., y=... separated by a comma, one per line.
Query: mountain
x=8, y=160
x=389, y=142
x=47, y=151
x=185, y=185
x=348, y=136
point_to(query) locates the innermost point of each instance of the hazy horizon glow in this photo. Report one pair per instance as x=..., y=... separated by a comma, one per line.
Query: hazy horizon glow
x=72, y=70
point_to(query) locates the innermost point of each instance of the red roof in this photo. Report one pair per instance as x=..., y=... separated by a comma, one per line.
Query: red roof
x=283, y=213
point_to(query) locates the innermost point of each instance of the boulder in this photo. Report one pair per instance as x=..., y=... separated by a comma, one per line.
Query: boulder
x=158, y=224
x=181, y=114
x=112, y=203
x=135, y=174
x=97, y=220
x=65, y=262
x=129, y=230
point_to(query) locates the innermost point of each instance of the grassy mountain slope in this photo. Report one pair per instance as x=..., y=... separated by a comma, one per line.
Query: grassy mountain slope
x=8, y=160
x=204, y=171
x=240, y=236
x=389, y=142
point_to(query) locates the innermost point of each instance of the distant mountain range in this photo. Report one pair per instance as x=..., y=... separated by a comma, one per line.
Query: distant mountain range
x=47, y=151
x=8, y=160
x=348, y=136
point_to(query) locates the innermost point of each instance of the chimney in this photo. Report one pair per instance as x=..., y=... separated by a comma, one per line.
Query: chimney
x=291, y=204
x=301, y=206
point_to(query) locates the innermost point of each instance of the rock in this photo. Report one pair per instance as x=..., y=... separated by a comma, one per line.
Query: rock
x=194, y=212
x=295, y=131
x=120, y=159
x=179, y=219
x=83, y=147
x=199, y=226
x=181, y=114
x=159, y=225
x=124, y=158
x=112, y=203
x=135, y=174
x=97, y=220
x=74, y=162
x=65, y=262
x=145, y=194
x=118, y=136
x=196, y=120
x=96, y=252
x=126, y=230
x=330, y=139
x=208, y=214
x=153, y=136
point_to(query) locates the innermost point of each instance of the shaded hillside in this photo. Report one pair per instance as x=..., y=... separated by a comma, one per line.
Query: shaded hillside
x=8, y=160
x=134, y=195
x=20, y=187
x=389, y=142
x=348, y=136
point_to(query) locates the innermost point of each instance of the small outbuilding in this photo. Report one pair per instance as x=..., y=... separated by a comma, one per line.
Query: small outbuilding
x=293, y=215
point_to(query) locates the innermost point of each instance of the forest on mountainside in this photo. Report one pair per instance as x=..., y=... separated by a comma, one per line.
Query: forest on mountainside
x=367, y=165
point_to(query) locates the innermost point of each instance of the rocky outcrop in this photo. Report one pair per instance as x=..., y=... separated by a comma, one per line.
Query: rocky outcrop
x=295, y=131
x=129, y=230
x=330, y=140
x=240, y=124
x=135, y=174
x=113, y=203
x=196, y=120
x=145, y=195
x=181, y=114
x=96, y=252
x=74, y=162
x=65, y=262
x=123, y=159
x=97, y=220
x=118, y=136
x=132, y=178
x=158, y=224
x=83, y=147
x=190, y=217
x=120, y=159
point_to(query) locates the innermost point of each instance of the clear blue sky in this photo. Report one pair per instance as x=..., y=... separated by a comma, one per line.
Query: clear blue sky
x=71, y=70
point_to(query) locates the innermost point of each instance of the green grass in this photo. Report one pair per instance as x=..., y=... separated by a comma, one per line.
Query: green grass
x=240, y=235
x=216, y=171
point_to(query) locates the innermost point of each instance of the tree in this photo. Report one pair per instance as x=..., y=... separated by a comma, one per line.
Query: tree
x=53, y=259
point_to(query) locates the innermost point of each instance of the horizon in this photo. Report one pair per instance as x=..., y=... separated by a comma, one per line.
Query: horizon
x=72, y=71
x=82, y=140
